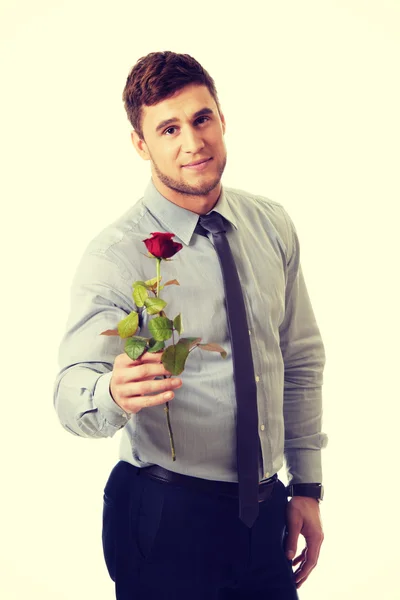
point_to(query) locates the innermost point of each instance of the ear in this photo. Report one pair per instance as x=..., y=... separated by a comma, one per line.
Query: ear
x=140, y=146
x=223, y=123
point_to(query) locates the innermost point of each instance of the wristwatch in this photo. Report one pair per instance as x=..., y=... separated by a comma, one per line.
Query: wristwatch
x=311, y=490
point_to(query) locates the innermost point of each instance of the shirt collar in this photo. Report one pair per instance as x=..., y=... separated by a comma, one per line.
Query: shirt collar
x=178, y=220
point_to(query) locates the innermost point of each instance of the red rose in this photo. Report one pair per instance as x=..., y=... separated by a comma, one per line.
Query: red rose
x=161, y=245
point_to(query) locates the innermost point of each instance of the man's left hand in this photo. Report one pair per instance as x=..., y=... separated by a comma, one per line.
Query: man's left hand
x=303, y=517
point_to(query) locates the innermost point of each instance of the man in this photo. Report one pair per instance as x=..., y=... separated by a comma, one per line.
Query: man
x=171, y=529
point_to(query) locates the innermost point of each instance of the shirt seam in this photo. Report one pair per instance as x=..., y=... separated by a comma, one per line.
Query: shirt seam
x=110, y=253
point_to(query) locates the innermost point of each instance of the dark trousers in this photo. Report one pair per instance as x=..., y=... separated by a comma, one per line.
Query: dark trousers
x=166, y=542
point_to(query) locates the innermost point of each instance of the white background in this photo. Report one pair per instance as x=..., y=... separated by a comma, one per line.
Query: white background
x=310, y=91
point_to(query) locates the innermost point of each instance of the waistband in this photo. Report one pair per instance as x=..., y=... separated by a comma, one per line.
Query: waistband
x=224, y=488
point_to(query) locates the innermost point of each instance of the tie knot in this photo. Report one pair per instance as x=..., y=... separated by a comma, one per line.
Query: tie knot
x=214, y=222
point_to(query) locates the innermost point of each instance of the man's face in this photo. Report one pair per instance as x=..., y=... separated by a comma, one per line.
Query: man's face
x=181, y=130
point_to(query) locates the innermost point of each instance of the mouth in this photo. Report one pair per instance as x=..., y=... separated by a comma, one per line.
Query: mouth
x=199, y=165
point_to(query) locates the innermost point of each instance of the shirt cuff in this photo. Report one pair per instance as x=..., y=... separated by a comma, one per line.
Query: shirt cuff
x=105, y=404
x=303, y=466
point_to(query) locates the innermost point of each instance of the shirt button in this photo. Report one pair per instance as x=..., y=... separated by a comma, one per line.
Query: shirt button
x=249, y=331
x=266, y=475
x=257, y=378
x=262, y=427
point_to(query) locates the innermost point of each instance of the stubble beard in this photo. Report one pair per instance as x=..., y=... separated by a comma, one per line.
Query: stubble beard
x=202, y=189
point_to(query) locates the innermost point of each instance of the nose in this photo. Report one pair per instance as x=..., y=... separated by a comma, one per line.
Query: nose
x=192, y=141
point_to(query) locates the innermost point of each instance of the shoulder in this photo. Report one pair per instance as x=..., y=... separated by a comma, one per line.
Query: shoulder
x=113, y=247
x=124, y=225
x=247, y=205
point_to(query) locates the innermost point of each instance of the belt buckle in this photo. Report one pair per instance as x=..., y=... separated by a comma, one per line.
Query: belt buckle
x=266, y=488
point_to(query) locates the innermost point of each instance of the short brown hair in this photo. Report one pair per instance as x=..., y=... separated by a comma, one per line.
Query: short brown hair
x=158, y=76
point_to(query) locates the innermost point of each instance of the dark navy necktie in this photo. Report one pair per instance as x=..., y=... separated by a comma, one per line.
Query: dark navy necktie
x=243, y=371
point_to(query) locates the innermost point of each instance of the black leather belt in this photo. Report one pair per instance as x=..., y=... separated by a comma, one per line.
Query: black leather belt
x=224, y=488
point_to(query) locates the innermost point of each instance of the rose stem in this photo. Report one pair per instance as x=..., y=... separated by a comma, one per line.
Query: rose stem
x=158, y=276
x=166, y=408
x=171, y=437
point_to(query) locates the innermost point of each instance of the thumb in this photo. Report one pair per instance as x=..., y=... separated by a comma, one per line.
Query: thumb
x=294, y=524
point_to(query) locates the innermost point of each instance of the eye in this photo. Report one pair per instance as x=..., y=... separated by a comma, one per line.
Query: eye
x=206, y=118
x=169, y=129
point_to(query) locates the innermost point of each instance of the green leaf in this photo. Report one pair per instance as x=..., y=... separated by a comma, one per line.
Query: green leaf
x=140, y=294
x=152, y=282
x=190, y=341
x=136, y=346
x=154, y=305
x=178, y=323
x=214, y=348
x=174, y=358
x=128, y=326
x=155, y=346
x=161, y=328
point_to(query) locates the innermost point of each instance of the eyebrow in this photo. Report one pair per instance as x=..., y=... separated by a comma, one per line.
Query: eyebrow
x=199, y=113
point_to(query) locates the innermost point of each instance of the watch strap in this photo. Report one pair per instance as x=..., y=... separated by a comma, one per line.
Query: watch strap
x=310, y=490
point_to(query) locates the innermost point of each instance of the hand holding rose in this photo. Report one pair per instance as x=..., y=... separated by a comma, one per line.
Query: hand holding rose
x=133, y=385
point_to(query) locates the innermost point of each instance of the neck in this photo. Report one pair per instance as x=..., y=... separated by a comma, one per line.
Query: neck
x=200, y=205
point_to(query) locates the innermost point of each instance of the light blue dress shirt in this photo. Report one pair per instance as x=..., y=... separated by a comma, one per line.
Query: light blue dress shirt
x=288, y=352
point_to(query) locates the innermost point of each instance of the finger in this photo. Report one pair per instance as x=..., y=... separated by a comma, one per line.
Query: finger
x=300, y=558
x=139, y=402
x=149, y=387
x=300, y=582
x=311, y=558
x=124, y=360
x=150, y=357
x=142, y=372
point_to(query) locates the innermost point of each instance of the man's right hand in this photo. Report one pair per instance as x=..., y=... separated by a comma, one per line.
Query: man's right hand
x=133, y=385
